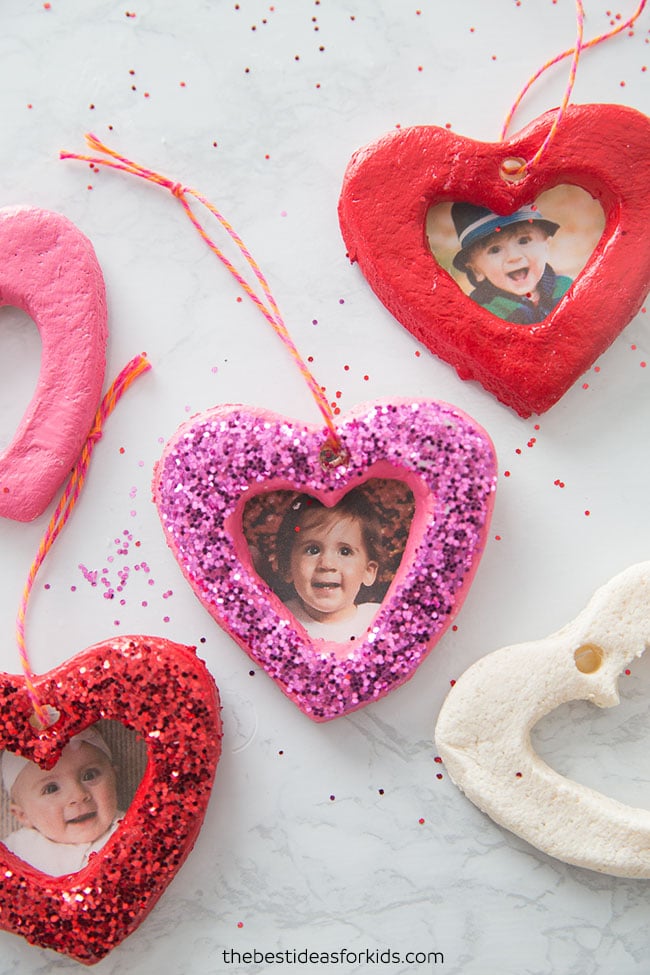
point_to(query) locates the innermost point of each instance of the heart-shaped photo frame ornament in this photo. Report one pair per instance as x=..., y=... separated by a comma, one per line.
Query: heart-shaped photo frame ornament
x=220, y=459
x=483, y=732
x=390, y=185
x=165, y=694
x=49, y=270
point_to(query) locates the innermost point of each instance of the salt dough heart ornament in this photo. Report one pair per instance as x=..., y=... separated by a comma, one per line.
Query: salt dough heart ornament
x=390, y=185
x=218, y=459
x=49, y=270
x=483, y=732
x=162, y=691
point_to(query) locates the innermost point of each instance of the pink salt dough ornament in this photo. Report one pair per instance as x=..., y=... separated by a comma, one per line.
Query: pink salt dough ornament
x=220, y=459
x=483, y=732
x=390, y=185
x=49, y=270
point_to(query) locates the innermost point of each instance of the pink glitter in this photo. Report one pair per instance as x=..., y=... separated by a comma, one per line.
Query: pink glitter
x=217, y=460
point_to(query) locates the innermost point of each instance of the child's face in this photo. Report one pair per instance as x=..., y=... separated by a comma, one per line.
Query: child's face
x=512, y=260
x=329, y=564
x=74, y=802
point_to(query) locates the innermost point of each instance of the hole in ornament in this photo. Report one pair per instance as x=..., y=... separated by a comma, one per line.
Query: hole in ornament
x=51, y=716
x=588, y=658
x=518, y=266
x=54, y=819
x=603, y=748
x=331, y=566
x=20, y=364
x=513, y=169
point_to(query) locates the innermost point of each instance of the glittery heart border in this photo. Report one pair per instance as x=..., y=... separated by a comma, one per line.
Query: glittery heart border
x=390, y=185
x=218, y=459
x=162, y=691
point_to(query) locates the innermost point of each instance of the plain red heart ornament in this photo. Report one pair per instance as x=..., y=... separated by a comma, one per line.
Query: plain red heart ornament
x=221, y=458
x=390, y=185
x=163, y=692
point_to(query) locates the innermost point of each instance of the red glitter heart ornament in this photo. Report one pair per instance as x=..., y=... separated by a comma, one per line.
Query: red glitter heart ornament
x=221, y=458
x=164, y=693
x=390, y=185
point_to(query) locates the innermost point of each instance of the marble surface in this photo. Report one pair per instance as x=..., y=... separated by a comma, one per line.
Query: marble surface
x=341, y=835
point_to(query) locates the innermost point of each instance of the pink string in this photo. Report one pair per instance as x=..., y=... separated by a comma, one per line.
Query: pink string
x=63, y=510
x=576, y=51
x=267, y=307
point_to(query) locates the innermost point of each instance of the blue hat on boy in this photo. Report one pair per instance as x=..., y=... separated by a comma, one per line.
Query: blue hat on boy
x=474, y=223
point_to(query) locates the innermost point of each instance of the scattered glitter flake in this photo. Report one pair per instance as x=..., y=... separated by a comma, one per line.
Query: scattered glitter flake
x=587, y=513
x=439, y=775
x=421, y=821
x=332, y=798
x=240, y=924
x=438, y=760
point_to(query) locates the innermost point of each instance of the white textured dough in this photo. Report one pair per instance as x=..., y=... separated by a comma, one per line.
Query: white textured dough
x=483, y=732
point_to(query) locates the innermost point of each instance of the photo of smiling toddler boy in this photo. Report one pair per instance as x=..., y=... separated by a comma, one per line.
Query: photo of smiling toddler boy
x=330, y=556
x=65, y=813
x=507, y=262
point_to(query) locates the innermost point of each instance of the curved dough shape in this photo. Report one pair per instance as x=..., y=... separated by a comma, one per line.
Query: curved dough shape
x=49, y=270
x=483, y=733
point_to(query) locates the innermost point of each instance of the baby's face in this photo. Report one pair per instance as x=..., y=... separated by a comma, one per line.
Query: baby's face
x=512, y=259
x=75, y=802
x=329, y=564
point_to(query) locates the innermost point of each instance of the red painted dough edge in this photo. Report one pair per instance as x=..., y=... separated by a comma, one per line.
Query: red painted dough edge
x=389, y=187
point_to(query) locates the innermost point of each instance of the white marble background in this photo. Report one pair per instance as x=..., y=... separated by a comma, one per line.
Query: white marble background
x=240, y=101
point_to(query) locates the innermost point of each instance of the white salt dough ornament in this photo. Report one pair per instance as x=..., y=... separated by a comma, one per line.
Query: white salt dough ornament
x=483, y=732
x=49, y=270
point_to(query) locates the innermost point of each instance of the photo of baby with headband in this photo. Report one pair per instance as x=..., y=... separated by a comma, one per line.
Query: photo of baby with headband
x=66, y=813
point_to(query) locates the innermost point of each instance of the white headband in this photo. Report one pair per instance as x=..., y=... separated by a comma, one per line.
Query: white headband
x=12, y=765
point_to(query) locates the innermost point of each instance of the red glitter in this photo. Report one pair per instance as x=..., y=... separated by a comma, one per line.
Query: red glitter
x=240, y=924
x=164, y=693
x=506, y=473
x=421, y=821
x=439, y=775
x=438, y=760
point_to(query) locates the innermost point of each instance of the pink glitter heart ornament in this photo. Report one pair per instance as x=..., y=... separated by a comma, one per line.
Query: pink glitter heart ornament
x=220, y=459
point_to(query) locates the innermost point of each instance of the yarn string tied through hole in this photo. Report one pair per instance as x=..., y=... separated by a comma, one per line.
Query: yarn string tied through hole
x=333, y=452
x=43, y=716
x=517, y=169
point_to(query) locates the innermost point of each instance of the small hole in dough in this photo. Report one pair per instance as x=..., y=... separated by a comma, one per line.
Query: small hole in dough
x=588, y=658
x=513, y=170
